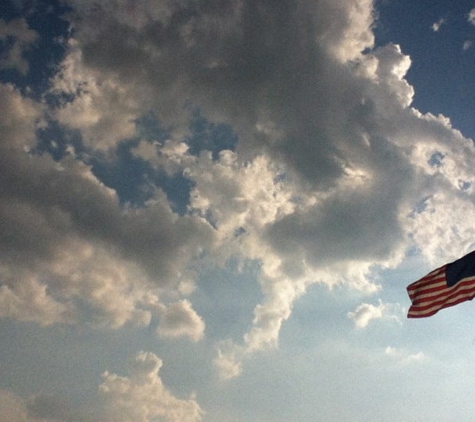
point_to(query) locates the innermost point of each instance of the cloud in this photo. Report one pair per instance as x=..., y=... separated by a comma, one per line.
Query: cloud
x=229, y=360
x=13, y=56
x=467, y=44
x=404, y=356
x=471, y=16
x=207, y=67
x=37, y=408
x=366, y=312
x=324, y=122
x=19, y=118
x=179, y=319
x=436, y=25
x=333, y=175
x=70, y=252
x=142, y=396
x=90, y=96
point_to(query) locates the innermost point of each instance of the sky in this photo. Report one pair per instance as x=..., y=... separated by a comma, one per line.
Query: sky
x=210, y=210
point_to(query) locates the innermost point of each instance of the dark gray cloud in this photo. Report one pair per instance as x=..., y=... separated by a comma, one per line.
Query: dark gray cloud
x=66, y=240
x=249, y=63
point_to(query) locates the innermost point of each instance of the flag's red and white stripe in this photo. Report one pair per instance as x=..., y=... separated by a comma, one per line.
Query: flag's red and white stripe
x=431, y=293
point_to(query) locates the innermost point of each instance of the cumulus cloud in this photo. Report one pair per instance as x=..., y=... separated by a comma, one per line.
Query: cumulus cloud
x=366, y=312
x=92, y=94
x=180, y=319
x=208, y=67
x=334, y=175
x=19, y=118
x=328, y=132
x=70, y=253
x=143, y=397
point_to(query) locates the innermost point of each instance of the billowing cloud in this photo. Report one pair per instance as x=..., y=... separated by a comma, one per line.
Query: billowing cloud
x=143, y=397
x=69, y=251
x=332, y=177
x=90, y=111
x=19, y=119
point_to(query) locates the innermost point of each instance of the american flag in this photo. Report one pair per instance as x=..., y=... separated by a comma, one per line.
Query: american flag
x=446, y=286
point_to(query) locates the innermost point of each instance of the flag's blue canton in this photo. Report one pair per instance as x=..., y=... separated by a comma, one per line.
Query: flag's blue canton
x=460, y=269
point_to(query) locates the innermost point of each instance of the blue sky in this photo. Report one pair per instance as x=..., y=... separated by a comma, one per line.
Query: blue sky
x=211, y=210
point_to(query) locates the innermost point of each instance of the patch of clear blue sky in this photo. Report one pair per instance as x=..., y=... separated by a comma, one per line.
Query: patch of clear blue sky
x=210, y=136
x=442, y=71
x=227, y=297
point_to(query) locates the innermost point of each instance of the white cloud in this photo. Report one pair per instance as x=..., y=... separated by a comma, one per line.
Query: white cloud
x=68, y=273
x=345, y=27
x=436, y=25
x=229, y=360
x=171, y=157
x=392, y=66
x=404, y=356
x=29, y=301
x=466, y=45
x=366, y=312
x=70, y=253
x=336, y=180
x=471, y=16
x=102, y=108
x=180, y=319
x=19, y=118
x=333, y=177
x=143, y=397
